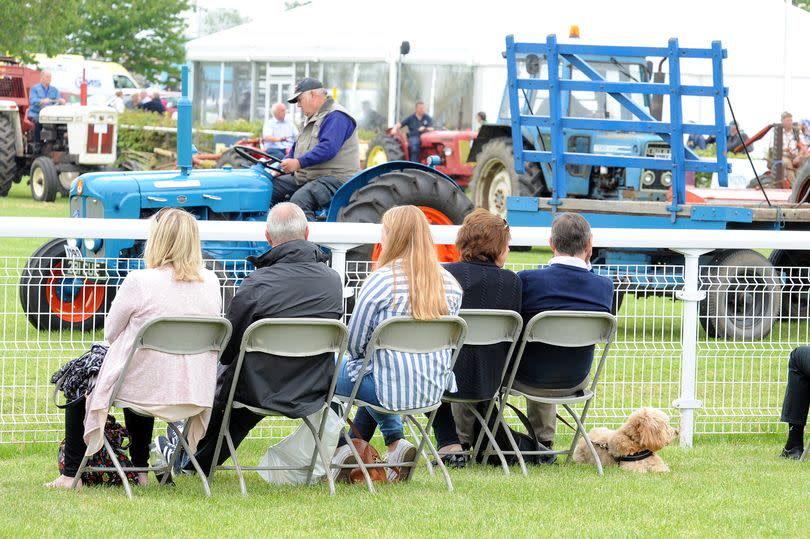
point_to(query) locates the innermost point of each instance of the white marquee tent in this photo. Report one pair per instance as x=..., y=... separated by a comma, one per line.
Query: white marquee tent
x=767, y=69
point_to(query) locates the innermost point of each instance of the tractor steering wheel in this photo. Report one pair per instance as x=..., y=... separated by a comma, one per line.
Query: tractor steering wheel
x=257, y=156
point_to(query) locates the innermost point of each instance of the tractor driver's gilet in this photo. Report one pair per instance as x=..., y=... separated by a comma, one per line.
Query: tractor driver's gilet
x=344, y=165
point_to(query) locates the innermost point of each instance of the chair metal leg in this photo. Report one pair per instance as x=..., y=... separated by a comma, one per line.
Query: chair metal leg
x=591, y=448
x=218, y=447
x=121, y=474
x=79, y=472
x=320, y=450
x=413, y=435
x=369, y=482
x=500, y=420
x=485, y=429
x=235, y=460
x=425, y=440
x=182, y=439
x=806, y=451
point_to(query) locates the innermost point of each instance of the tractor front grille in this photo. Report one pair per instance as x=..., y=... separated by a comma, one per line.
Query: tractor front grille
x=11, y=87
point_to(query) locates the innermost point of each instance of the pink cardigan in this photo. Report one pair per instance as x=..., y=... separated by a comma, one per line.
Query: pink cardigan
x=155, y=380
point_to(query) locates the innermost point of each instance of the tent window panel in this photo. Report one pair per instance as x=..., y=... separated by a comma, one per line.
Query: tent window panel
x=236, y=91
x=355, y=83
x=206, y=91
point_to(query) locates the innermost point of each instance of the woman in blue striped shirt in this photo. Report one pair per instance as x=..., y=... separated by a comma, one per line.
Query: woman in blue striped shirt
x=408, y=282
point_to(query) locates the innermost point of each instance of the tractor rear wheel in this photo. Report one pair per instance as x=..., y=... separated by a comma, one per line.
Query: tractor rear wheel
x=44, y=179
x=743, y=297
x=8, y=156
x=494, y=177
x=232, y=159
x=441, y=201
x=382, y=149
x=54, y=301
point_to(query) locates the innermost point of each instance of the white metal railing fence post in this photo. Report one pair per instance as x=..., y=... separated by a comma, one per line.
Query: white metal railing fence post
x=691, y=295
x=339, y=251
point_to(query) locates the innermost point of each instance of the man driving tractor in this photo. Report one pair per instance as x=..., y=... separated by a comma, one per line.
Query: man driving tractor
x=326, y=154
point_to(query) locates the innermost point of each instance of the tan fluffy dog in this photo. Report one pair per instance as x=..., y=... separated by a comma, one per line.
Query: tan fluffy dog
x=647, y=429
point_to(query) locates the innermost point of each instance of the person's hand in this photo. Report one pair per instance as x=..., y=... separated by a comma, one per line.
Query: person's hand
x=796, y=160
x=45, y=101
x=290, y=165
x=428, y=129
x=421, y=128
x=61, y=101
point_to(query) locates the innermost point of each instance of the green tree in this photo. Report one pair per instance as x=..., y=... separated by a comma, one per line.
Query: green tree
x=147, y=37
x=804, y=4
x=33, y=26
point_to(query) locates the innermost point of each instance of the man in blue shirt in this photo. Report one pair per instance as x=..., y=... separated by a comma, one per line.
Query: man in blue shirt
x=40, y=96
x=278, y=132
x=417, y=123
x=326, y=154
x=567, y=284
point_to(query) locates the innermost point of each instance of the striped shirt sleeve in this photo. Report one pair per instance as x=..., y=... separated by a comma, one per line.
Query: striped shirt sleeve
x=374, y=295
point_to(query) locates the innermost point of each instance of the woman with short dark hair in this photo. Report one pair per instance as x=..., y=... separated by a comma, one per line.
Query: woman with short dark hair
x=483, y=243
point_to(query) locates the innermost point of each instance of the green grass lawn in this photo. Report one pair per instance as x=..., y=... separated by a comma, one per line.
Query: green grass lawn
x=725, y=486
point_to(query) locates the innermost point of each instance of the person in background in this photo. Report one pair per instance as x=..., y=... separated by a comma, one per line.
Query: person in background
x=326, y=154
x=567, y=284
x=42, y=95
x=794, y=152
x=480, y=120
x=279, y=132
x=153, y=105
x=372, y=120
x=174, y=283
x=733, y=138
x=804, y=133
x=133, y=101
x=409, y=281
x=796, y=402
x=417, y=123
x=117, y=102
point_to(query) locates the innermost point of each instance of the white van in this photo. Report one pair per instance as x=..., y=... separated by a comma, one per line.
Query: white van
x=103, y=78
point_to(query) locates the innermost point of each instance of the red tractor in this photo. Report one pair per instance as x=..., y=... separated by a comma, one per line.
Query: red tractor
x=15, y=82
x=452, y=147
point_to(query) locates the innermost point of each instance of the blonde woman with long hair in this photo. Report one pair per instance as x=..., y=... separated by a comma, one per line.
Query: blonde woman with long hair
x=174, y=283
x=409, y=281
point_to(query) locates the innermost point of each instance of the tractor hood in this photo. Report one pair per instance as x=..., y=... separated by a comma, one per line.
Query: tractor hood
x=622, y=143
x=65, y=114
x=124, y=195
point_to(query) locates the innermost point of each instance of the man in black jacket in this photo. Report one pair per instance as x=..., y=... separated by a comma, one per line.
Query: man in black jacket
x=290, y=281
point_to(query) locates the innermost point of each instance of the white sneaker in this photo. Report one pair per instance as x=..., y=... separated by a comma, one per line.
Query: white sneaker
x=343, y=456
x=403, y=453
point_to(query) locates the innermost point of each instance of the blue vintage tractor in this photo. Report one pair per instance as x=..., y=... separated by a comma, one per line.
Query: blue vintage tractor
x=69, y=283
x=495, y=178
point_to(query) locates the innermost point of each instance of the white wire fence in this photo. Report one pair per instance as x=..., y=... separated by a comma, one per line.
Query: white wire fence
x=726, y=375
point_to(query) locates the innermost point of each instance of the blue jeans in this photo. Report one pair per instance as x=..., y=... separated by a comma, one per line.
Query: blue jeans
x=366, y=419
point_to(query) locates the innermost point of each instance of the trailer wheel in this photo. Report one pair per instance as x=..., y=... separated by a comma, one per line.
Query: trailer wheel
x=44, y=179
x=53, y=301
x=494, y=177
x=382, y=149
x=232, y=159
x=743, y=297
x=441, y=201
x=8, y=156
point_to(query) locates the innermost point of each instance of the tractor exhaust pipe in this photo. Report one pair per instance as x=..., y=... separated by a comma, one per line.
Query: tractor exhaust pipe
x=184, y=148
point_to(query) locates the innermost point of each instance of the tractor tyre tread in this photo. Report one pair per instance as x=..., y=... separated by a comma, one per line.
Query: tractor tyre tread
x=8, y=156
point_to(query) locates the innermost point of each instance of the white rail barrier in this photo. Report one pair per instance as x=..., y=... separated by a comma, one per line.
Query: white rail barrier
x=661, y=358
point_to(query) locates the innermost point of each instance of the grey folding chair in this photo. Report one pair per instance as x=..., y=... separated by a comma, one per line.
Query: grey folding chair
x=487, y=327
x=567, y=329
x=805, y=452
x=408, y=335
x=288, y=338
x=178, y=336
